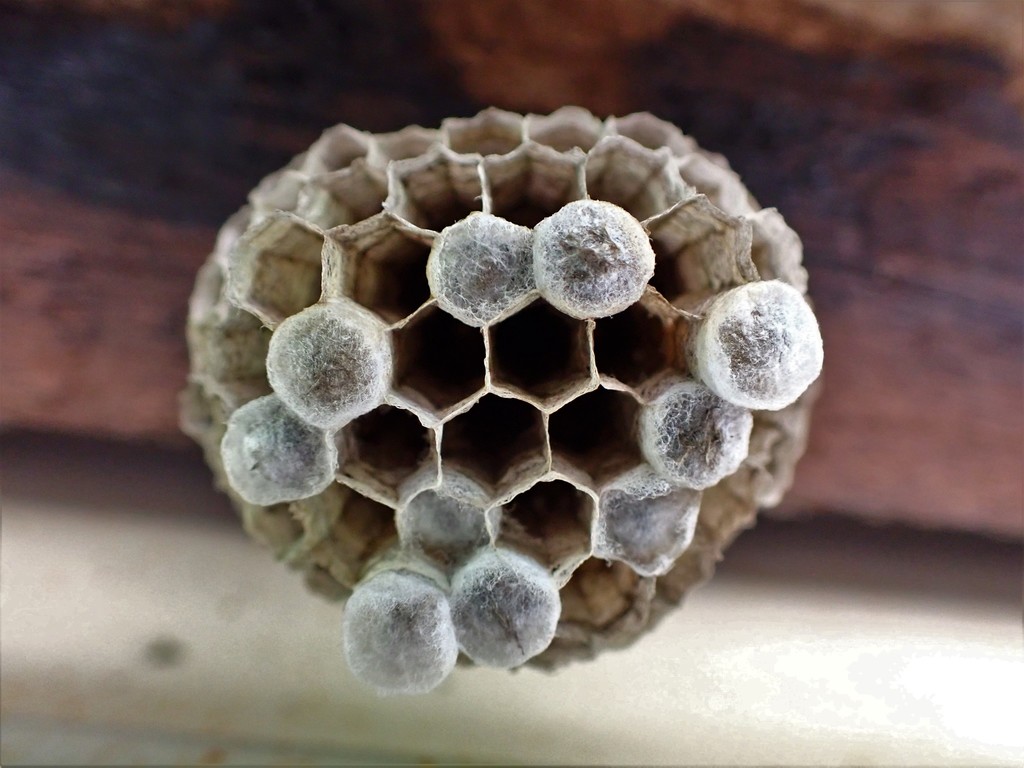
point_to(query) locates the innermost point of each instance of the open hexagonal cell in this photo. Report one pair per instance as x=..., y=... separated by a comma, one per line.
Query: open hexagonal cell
x=383, y=266
x=491, y=132
x=540, y=352
x=226, y=344
x=699, y=248
x=435, y=189
x=564, y=129
x=721, y=184
x=600, y=594
x=383, y=448
x=363, y=529
x=637, y=343
x=337, y=148
x=596, y=432
x=343, y=197
x=531, y=183
x=439, y=362
x=550, y=522
x=643, y=181
x=274, y=268
x=649, y=131
x=409, y=142
x=499, y=442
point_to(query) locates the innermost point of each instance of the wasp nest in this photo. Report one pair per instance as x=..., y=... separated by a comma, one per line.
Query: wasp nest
x=508, y=387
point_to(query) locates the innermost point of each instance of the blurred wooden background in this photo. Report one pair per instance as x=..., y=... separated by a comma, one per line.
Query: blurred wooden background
x=888, y=132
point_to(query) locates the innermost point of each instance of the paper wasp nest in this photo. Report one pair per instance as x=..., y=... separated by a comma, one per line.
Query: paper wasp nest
x=508, y=388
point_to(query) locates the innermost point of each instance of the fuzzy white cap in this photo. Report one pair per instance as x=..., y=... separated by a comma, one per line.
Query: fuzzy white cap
x=398, y=633
x=591, y=259
x=759, y=346
x=330, y=363
x=480, y=268
x=505, y=607
x=693, y=437
x=271, y=456
x=645, y=521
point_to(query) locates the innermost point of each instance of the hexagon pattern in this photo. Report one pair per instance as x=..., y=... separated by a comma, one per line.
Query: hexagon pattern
x=537, y=412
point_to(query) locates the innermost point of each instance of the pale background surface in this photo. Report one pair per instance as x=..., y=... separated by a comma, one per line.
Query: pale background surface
x=139, y=625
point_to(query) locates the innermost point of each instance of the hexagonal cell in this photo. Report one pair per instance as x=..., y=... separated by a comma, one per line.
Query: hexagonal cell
x=409, y=142
x=274, y=268
x=600, y=594
x=445, y=522
x=720, y=183
x=439, y=362
x=596, y=432
x=226, y=344
x=564, y=129
x=499, y=441
x=551, y=523
x=531, y=183
x=278, y=191
x=699, y=248
x=381, y=263
x=382, y=449
x=435, y=189
x=651, y=132
x=639, y=342
x=363, y=529
x=541, y=353
x=491, y=132
x=643, y=181
x=776, y=249
x=645, y=521
x=337, y=148
x=343, y=197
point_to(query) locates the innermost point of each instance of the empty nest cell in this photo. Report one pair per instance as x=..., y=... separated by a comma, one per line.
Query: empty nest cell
x=549, y=522
x=635, y=344
x=384, y=267
x=540, y=352
x=436, y=189
x=439, y=362
x=597, y=433
x=337, y=148
x=499, y=441
x=384, y=448
x=274, y=268
x=642, y=181
x=491, y=132
x=531, y=183
x=564, y=129
x=699, y=248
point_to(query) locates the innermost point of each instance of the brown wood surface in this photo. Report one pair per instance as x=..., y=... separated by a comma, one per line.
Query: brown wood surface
x=889, y=134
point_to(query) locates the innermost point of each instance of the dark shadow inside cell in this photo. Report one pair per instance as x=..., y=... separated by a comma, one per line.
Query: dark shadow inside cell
x=668, y=277
x=550, y=522
x=597, y=432
x=539, y=350
x=527, y=213
x=391, y=277
x=439, y=358
x=633, y=345
x=493, y=436
x=388, y=443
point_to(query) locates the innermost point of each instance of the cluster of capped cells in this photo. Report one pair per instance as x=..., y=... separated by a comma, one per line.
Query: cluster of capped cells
x=506, y=388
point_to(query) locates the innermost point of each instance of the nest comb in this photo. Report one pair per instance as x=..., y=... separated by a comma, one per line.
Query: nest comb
x=507, y=388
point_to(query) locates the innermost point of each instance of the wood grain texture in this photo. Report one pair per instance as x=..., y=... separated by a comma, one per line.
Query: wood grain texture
x=892, y=142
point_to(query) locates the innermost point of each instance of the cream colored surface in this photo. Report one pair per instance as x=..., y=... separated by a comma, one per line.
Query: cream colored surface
x=132, y=633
